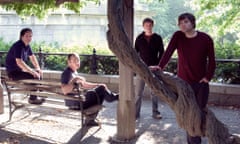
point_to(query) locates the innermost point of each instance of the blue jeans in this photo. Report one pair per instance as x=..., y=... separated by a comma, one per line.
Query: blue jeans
x=140, y=84
x=201, y=91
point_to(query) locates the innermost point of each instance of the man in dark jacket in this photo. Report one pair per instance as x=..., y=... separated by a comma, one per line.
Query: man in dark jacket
x=149, y=46
x=16, y=62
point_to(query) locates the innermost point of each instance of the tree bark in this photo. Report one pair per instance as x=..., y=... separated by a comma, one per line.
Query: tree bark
x=126, y=103
x=171, y=89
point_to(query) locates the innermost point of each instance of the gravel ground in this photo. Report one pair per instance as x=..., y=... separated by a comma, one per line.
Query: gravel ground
x=55, y=124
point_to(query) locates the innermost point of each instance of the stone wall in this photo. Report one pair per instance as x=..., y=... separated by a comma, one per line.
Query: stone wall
x=66, y=27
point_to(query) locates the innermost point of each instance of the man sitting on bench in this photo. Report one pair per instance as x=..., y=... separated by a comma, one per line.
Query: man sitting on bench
x=96, y=94
x=16, y=62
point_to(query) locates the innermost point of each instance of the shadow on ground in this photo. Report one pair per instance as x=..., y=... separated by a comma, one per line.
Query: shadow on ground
x=53, y=124
x=7, y=137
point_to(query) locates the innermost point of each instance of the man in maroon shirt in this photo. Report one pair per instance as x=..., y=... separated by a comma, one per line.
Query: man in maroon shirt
x=196, y=60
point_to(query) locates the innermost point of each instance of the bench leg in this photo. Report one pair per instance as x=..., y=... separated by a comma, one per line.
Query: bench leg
x=11, y=103
x=81, y=108
x=10, y=106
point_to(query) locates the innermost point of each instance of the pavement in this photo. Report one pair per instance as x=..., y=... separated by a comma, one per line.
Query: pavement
x=53, y=123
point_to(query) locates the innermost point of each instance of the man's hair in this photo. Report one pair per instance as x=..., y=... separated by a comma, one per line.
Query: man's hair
x=72, y=55
x=24, y=31
x=189, y=16
x=148, y=20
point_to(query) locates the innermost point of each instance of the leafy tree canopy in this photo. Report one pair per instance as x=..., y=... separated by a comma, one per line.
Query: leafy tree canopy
x=41, y=8
x=165, y=15
x=221, y=17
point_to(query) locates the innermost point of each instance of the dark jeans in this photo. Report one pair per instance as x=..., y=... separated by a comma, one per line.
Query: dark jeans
x=18, y=75
x=139, y=96
x=93, y=97
x=201, y=91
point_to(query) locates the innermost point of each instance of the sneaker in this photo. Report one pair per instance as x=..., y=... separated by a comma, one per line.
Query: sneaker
x=36, y=101
x=137, y=116
x=74, y=108
x=92, y=123
x=115, y=96
x=111, y=97
x=156, y=115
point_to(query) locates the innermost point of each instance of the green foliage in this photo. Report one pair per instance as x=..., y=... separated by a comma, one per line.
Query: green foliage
x=221, y=20
x=165, y=14
x=218, y=18
x=227, y=50
x=107, y=65
x=55, y=62
x=150, y=1
x=57, y=58
x=227, y=73
x=3, y=47
x=41, y=8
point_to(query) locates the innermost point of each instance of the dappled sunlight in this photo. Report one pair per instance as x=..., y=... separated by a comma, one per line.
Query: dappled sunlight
x=48, y=120
x=166, y=126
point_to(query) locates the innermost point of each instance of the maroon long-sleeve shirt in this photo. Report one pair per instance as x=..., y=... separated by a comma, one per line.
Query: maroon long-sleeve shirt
x=196, y=58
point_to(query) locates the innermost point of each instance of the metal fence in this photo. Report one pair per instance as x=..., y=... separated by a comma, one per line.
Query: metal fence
x=227, y=71
x=93, y=64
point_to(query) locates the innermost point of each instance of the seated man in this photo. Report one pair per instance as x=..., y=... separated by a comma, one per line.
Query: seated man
x=97, y=92
x=16, y=62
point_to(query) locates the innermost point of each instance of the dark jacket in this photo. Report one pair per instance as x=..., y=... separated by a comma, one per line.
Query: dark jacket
x=18, y=50
x=151, y=51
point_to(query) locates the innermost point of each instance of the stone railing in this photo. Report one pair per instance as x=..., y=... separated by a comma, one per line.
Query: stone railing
x=224, y=94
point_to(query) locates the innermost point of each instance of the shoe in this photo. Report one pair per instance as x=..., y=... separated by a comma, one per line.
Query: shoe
x=111, y=97
x=92, y=123
x=115, y=96
x=74, y=108
x=137, y=116
x=36, y=101
x=156, y=115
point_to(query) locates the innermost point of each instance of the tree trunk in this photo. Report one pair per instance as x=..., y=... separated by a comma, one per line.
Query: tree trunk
x=126, y=104
x=171, y=89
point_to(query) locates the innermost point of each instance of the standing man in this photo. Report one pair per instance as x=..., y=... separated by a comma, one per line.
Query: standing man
x=149, y=46
x=196, y=61
x=16, y=59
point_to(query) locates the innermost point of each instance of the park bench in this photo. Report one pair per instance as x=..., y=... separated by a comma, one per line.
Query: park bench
x=46, y=89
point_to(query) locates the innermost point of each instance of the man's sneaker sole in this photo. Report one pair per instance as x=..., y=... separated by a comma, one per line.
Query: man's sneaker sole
x=157, y=116
x=36, y=101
